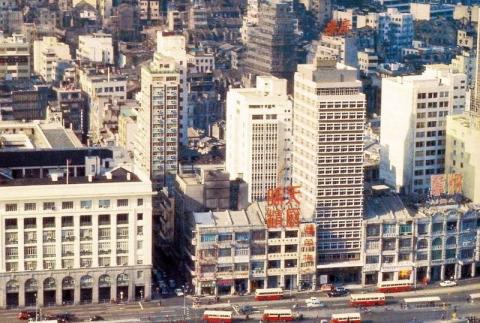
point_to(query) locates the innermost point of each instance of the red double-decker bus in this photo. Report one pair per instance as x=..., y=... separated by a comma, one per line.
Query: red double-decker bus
x=268, y=294
x=346, y=318
x=395, y=286
x=278, y=316
x=372, y=299
x=217, y=316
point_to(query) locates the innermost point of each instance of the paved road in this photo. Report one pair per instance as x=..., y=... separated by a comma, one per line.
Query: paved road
x=171, y=309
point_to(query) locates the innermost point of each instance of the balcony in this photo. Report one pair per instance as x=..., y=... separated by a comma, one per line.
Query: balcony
x=68, y=239
x=258, y=272
x=68, y=254
x=85, y=252
x=104, y=252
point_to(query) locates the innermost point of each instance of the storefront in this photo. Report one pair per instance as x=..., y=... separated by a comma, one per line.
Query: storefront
x=224, y=286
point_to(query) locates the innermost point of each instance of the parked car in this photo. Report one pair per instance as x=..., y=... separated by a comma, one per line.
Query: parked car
x=448, y=283
x=246, y=309
x=96, y=318
x=314, y=302
x=66, y=317
x=341, y=289
x=25, y=315
x=336, y=293
x=179, y=292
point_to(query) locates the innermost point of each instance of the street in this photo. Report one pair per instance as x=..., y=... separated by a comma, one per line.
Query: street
x=171, y=309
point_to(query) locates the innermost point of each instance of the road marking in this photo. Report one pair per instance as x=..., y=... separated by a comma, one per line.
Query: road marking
x=140, y=304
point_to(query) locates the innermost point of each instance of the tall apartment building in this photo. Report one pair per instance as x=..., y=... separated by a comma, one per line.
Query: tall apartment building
x=234, y=251
x=258, y=136
x=150, y=10
x=342, y=48
x=173, y=45
x=271, y=46
x=328, y=131
x=48, y=54
x=14, y=57
x=395, y=32
x=97, y=47
x=157, y=142
x=412, y=136
x=72, y=239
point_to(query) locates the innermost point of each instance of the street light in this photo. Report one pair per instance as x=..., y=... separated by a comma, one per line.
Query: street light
x=184, y=303
x=141, y=294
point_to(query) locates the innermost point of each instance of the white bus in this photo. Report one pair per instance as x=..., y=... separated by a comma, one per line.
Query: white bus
x=268, y=294
x=474, y=297
x=280, y=315
x=217, y=316
x=428, y=301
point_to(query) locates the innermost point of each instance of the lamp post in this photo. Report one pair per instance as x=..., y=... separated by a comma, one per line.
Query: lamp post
x=36, y=307
x=121, y=296
x=184, y=303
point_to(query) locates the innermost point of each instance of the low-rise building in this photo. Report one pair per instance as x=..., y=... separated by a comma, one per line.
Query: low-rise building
x=432, y=243
x=83, y=237
x=234, y=252
x=14, y=57
x=48, y=55
x=97, y=47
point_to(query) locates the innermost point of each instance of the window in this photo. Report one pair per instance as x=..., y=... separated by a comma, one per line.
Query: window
x=30, y=206
x=208, y=237
x=104, y=204
x=67, y=221
x=139, y=202
x=49, y=222
x=122, y=202
x=139, y=216
x=11, y=207
x=104, y=234
x=225, y=252
x=30, y=252
x=225, y=237
x=122, y=218
x=140, y=231
x=372, y=259
x=85, y=220
x=104, y=219
x=86, y=204
x=49, y=205
x=68, y=205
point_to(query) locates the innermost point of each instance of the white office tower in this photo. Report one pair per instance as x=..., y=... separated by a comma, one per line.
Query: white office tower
x=328, y=127
x=157, y=141
x=173, y=45
x=412, y=136
x=259, y=135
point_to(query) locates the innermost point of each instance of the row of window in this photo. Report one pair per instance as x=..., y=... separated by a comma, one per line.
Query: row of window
x=68, y=205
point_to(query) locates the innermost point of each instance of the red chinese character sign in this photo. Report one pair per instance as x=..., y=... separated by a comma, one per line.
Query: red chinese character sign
x=283, y=207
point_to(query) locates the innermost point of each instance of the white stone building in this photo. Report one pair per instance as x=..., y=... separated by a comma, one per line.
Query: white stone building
x=328, y=132
x=412, y=136
x=258, y=136
x=47, y=55
x=97, y=47
x=77, y=239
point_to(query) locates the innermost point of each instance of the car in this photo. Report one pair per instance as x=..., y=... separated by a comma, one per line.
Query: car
x=336, y=293
x=246, y=309
x=66, y=317
x=314, y=302
x=179, y=292
x=96, y=318
x=341, y=289
x=25, y=315
x=448, y=283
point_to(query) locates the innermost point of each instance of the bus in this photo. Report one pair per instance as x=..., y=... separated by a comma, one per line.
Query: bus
x=429, y=301
x=367, y=299
x=394, y=287
x=268, y=294
x=217, y=316
x=346, y=318
x=279, y=315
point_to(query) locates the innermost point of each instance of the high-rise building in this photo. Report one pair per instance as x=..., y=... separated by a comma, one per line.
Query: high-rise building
x=157, y=142
x=412, y=136
x=322, y=9
x=173, y=45
x=271, y=44
x=258, y=135
x=328, y=132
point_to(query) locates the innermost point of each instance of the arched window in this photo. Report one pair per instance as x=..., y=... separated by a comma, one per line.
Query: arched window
x=104, y=281
x=422, y=244
x=451, y=241
x=122, y=280
x=437, y=242
x=31, y=285
x=12, y=286
x=86, y=281
x=68, y=283
x=49, y=284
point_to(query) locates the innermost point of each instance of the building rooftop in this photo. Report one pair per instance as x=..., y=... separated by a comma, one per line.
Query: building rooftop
x=386, y=206
x=252, y=216
x=118, y=175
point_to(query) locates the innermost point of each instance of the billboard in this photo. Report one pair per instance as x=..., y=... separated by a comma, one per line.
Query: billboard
x=455, y=182
x=283, y=207
x=437, y=184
